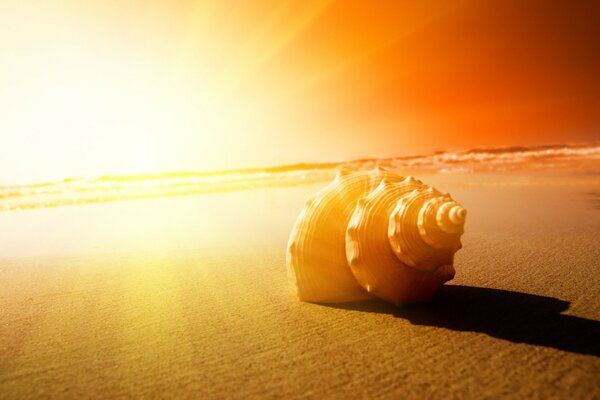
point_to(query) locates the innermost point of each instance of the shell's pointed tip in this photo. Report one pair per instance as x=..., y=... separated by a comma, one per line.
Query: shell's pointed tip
x=457, y=215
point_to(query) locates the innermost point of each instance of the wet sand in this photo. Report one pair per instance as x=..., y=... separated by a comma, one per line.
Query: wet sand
x=188, y=298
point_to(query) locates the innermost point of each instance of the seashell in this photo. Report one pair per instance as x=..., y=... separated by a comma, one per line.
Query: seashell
x=374, y=234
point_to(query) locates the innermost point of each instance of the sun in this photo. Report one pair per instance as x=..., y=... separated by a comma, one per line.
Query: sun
x=164, y=88
x=144, y=163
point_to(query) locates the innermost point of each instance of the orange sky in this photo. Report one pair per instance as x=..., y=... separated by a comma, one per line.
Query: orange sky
x=98, y=87
x=482, y=73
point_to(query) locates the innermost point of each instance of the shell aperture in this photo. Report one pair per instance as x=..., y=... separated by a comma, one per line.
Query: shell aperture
x=374, y=234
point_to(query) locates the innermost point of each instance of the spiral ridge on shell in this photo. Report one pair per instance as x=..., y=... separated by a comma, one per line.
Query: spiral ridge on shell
x=374, y=234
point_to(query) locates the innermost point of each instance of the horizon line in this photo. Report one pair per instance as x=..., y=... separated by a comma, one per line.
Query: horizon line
x=299, y=166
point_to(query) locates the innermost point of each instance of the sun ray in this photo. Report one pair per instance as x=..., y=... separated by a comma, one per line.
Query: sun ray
x=337, y=69
x=290, y=30
x=197, y=27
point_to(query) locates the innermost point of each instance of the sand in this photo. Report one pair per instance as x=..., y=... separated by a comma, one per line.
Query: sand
x=188, y=298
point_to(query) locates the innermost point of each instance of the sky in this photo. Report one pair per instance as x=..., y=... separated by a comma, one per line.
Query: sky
x=91, y=88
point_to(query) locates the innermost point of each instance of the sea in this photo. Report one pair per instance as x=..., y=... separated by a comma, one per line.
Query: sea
x=581, y=161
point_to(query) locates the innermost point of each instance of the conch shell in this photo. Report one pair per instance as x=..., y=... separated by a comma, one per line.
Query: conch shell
x=374, y=234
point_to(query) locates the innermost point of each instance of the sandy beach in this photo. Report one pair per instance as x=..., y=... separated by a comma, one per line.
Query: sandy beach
x=188, y=298
x=157, y=155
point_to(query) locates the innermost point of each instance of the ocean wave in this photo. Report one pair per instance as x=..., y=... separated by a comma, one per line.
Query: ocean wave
x=576, y=158
x=547, y=157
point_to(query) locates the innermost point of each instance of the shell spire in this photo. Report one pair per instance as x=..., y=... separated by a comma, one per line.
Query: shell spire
x=376, y=234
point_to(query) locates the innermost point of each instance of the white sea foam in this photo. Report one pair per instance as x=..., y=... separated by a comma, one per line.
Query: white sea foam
x=580, y=158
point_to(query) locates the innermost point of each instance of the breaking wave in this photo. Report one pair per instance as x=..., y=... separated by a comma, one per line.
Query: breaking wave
x=574, y=158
